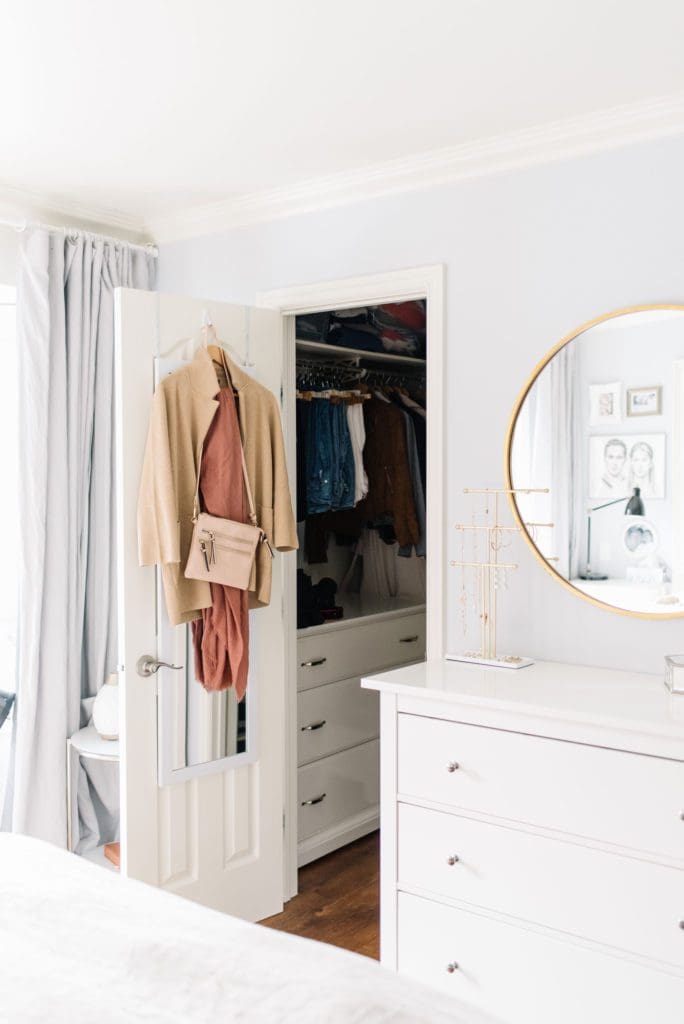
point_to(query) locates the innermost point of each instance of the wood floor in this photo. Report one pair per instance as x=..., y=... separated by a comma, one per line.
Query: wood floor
x=339, y=899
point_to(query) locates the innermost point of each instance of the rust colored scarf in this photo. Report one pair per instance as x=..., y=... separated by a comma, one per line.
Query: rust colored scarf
x=221, y=636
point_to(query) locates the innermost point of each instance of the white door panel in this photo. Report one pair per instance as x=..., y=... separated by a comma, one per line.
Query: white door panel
x=215, y=836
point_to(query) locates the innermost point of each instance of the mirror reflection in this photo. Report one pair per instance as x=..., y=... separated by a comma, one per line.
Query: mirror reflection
x=206, y=726
x=600, y=430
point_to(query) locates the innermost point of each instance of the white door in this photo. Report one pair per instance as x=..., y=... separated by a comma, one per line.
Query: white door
x=216, y=835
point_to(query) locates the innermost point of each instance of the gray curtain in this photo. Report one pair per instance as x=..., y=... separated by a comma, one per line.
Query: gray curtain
x=67, y=601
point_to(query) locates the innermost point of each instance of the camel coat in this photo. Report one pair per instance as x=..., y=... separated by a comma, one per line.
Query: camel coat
x=183, y=408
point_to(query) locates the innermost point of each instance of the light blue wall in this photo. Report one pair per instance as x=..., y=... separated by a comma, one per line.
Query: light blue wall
x=530, y=255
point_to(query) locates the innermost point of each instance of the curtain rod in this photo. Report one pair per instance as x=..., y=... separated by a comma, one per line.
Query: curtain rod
x=22, y=225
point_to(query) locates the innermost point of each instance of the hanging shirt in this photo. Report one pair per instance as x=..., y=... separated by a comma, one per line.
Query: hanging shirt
x=357, y=433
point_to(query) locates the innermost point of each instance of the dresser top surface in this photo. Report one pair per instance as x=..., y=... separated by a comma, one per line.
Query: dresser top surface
x=574, y=698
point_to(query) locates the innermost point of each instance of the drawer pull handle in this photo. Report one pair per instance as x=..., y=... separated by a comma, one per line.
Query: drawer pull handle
x=453, y=859
x=409, y=639
x=453, y=966
x=313, y=726
x=452, y=766
x=681, y=925
x=314, y=662
x=314, y=800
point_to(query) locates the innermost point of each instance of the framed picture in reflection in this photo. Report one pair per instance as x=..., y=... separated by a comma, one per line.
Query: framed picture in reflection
x=645, y=401
x=620, y=462
x=605, y=404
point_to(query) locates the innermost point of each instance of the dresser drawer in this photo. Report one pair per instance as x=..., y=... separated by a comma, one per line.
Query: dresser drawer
x=626, y=799
x=620, y=901
x=522, y=977
x=334, y=717
x=337, y=787
x=356, y=650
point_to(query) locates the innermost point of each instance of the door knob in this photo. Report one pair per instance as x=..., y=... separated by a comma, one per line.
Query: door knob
x=147, y=666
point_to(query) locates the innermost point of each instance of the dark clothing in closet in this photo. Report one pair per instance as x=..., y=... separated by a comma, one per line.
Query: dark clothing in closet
x=390, y=492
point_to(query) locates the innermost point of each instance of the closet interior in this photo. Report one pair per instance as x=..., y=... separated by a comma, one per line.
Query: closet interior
x=360, y=497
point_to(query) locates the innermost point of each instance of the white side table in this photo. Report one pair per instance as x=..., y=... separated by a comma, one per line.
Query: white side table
x=85, y=743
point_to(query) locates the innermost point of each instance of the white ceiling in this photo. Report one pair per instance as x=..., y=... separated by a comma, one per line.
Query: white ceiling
x=135, y=112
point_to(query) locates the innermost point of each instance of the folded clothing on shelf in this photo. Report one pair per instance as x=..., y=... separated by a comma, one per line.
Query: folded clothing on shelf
x=396, y=327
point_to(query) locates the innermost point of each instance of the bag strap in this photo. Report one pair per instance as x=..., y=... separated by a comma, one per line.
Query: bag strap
x=250, y=500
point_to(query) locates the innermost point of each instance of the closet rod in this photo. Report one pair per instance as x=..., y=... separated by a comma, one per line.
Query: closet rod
x=22, y=225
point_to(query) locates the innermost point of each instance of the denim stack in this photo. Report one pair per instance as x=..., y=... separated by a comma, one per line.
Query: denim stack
x=323, y=439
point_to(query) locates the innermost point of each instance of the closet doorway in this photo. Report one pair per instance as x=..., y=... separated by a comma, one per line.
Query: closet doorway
x=365, y=352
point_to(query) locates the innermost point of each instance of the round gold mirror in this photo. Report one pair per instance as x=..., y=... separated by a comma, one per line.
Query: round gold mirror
x=595, y=461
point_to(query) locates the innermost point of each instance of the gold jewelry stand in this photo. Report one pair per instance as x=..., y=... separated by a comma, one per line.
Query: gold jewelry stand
x=488, y=578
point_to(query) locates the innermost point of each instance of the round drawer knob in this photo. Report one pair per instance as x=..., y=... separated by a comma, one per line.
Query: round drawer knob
x=453, y=966
x=452, y=860
x=452, y=766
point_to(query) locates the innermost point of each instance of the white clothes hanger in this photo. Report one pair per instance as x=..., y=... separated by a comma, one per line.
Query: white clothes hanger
x=214, y=345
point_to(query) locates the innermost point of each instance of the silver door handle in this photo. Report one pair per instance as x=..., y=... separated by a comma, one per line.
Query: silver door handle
x=314, y=800
x=313, y=726
x=313, y=662
x=409, y=639
x=147, y=666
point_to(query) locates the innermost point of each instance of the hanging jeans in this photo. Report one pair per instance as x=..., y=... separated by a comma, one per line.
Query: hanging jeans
x=330, y=477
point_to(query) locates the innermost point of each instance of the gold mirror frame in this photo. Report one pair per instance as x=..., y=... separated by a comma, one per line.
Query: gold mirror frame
x=657, y=616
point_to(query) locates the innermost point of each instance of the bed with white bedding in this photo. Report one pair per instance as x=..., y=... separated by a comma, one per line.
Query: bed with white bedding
x=78, y=943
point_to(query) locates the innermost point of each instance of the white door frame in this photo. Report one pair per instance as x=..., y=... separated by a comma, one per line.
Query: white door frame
x=344, y=293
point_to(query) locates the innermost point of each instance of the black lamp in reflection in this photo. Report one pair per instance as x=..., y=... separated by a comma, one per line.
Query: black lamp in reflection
x=634, y=507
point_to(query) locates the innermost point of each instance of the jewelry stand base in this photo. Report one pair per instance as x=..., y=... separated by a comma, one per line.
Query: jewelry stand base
x=503, y=661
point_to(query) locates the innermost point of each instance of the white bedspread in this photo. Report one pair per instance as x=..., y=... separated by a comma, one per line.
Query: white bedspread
x=78, y=943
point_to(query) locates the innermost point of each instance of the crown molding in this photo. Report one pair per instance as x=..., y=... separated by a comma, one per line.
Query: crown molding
x=23, y=206
x=554, y=141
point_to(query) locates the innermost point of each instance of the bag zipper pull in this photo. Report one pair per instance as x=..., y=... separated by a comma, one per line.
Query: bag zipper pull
x=203, y=549
x=265, y=540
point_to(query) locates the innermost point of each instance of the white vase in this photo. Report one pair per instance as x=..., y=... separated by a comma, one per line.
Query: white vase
x=106, y=709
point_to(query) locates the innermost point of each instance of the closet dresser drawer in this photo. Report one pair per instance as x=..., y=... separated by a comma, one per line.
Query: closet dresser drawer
x=620, y=901
x=625, y=799
x=345, y=652
x=521, y=976
x=334, y=717
x=338, y=787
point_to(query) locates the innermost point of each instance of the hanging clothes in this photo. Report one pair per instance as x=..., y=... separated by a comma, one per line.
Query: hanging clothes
x=221, y=635
x=182, y=410
x=390, y=492
x=330, y=469
x=357, y=433
x=417, y=486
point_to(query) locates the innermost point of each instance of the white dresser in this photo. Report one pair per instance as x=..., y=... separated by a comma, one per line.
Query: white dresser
x=532, y=836
x=337, y=722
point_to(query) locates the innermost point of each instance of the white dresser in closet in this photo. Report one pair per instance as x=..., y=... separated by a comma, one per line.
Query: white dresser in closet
x=338, y=722
x=532, y=836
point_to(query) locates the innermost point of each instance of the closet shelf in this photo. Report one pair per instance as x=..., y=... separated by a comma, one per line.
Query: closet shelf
x=356, y=607
x=342, y=353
